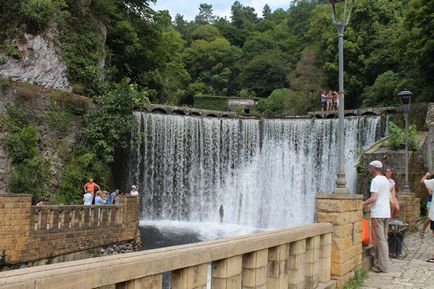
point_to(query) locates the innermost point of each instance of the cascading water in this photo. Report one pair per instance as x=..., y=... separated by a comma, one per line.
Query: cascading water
x=257, y=173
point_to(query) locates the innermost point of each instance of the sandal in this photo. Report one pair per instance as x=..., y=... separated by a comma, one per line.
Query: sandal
x=431, y=260
x=378, y=270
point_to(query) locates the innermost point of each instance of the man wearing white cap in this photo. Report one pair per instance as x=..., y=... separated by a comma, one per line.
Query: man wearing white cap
x=380, y=216
x=134, y=191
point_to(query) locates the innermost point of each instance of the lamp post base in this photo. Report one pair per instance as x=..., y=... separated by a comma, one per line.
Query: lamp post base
x=341, y=185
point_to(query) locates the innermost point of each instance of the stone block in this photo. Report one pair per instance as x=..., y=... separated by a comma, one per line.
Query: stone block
x=339, y=218
x=256, y=259
x=254, y=278
x=297, y=248
x=190, y=278
x=227, y=267
x=233, y=282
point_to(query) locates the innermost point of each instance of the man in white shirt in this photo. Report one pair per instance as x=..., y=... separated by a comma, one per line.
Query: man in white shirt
x=134, y=191
x=380, y=216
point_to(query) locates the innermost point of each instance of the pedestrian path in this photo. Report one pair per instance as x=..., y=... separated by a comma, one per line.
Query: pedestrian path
x=412, y=272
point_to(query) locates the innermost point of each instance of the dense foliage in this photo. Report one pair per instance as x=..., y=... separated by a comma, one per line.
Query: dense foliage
x=388, y=46
x=396, y=137
x=29, y=169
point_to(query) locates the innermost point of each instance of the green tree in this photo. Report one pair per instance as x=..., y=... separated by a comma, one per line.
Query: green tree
x=266, y=72
x=205, y=15
x=212, y=63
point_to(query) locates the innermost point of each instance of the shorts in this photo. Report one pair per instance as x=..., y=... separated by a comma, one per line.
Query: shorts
x=428, y=205
x=432, y=225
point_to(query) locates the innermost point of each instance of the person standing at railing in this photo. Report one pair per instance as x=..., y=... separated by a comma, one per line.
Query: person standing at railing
x=134, y=191
x=90, y=187
x=112, y=196
x=87, y=199
x=98, y=199
x=380, y=216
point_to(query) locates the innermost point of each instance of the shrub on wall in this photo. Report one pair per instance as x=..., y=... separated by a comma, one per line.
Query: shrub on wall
x=29, y=168
x=211, y=102
x=397, y=137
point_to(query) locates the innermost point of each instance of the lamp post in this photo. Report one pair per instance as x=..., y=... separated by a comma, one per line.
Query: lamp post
x=405, y=99
x=341, y=12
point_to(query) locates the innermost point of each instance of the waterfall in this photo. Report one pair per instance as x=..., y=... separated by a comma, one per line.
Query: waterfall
x=258, y=173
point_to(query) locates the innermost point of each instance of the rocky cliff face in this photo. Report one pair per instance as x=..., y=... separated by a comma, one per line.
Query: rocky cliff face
x=40, y=64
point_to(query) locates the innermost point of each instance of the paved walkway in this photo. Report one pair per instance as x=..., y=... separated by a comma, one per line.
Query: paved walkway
x=413, y=272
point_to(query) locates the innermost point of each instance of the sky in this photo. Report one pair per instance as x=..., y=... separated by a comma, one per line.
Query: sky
x=222, y=8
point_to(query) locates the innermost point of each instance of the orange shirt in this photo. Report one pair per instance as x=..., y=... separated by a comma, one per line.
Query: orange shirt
x=90, y=187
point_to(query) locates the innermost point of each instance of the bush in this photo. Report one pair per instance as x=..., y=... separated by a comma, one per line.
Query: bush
x=22, y=143
x=29, y=177
x=37, y=13
x=211, y=102
x=29, y=168
x=275, y=104
x=397, y=137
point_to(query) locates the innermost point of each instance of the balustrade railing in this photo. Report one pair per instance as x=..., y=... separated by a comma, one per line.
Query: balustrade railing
x=285, y=259
x=62, y=218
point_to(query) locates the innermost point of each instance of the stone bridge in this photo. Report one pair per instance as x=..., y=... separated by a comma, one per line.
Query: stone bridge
x=168, y=109
x=356, y=112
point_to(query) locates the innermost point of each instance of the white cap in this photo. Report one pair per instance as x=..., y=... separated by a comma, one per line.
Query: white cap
x=133, y=187
x=376, y=164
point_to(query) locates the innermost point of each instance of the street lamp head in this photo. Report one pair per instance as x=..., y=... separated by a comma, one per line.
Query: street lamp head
x=340, y=11
x=405, y=99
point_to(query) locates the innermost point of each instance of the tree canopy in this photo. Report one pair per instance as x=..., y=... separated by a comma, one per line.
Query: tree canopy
x=388, y=46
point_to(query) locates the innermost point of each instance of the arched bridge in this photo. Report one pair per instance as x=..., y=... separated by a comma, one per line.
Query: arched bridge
x=168, y=109
x=355, y=112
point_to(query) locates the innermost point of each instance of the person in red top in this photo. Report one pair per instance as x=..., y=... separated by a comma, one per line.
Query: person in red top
x=90, y=187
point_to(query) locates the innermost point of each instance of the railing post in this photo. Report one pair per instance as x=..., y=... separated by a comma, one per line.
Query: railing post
x=226, y=273
x=296, y=267
x=278, y=258
x=149, y=282
x=255, y=270
x=312, y=262
x=325, y=257
x=194, y=277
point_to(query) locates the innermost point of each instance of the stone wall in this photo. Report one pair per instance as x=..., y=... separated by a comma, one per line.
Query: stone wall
x=345, y=212
x=31, y=233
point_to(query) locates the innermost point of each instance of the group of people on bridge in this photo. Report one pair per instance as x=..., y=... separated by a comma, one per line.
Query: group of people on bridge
x=93, y=195
x=329, y=100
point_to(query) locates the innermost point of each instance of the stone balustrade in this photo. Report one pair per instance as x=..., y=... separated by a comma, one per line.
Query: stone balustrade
x=31, y=233
x=56, y=219
x=286, y=259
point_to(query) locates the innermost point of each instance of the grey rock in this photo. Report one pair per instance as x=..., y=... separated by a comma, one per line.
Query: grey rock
x=40, y=64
